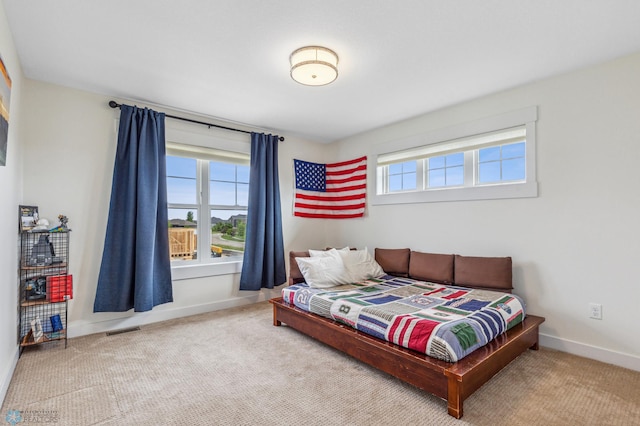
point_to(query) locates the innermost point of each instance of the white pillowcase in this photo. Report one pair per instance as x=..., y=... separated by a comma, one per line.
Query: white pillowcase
x=324, y=271
x=325, y=253
x=361, y=265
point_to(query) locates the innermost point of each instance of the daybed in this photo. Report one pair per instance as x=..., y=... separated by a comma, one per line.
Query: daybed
x=453, y=381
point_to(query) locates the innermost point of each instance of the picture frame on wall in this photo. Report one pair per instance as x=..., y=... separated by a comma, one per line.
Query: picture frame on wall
x=5, y=97
x=28, y=216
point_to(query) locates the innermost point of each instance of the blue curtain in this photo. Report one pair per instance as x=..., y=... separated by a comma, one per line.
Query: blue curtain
x=136, y=271
x=263, y=265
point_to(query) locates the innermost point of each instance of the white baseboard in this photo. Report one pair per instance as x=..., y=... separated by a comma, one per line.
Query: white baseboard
x=7, y=374
x=608, y=356
x=77, y=329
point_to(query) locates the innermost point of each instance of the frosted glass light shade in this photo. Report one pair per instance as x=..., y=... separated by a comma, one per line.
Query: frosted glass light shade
x=314, y=65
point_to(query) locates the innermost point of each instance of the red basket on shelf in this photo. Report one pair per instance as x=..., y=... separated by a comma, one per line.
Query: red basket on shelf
x=59, y=288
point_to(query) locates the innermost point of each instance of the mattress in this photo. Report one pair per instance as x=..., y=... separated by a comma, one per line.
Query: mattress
x=444, y=322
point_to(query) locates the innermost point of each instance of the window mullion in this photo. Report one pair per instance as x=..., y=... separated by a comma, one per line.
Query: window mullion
x=470, y=167
x=382, y=180
x=183, y=206
x=204, y=232
x=235, y=185
x=420, y=175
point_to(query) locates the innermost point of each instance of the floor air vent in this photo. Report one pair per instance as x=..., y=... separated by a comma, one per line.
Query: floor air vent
x=123, y=330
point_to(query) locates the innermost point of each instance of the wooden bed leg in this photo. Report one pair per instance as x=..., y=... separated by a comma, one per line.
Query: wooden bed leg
x=454, y=398
x=275, y=321
x=536, y=345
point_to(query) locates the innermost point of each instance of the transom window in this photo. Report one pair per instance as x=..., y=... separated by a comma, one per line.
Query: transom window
x=496, y=162
x=503, y=163
x=402, y=176
x=498, y=157
x=445, y=170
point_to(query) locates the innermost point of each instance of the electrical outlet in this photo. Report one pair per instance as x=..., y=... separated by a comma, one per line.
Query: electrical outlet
x=595, y=311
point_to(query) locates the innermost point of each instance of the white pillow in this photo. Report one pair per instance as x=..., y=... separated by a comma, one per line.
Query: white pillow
x=361, y=265
x=325, y=253
x=325, y=271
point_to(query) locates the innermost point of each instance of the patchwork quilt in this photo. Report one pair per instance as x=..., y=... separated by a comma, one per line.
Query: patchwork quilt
x=444, y=322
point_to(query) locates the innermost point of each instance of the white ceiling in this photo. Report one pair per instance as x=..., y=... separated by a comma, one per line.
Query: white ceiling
x=230, y=58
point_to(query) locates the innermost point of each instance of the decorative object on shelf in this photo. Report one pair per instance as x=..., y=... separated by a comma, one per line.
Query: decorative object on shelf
x=42, y=252
x=36, y=330
x=28, y=216
x=41, y=225
x=63, y=224
x=36, y=288
x=314, y=65
x=63, y=221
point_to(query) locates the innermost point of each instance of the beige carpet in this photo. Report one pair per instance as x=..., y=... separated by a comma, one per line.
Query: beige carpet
x=234, y=367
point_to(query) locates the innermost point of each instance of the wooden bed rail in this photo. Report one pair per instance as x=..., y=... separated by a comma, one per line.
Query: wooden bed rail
x=453, y=382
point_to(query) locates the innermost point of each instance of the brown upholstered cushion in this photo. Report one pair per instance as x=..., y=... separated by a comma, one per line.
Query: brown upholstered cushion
x=295, y=276
x=394, y=261
x=431, y=267
x=483, y=272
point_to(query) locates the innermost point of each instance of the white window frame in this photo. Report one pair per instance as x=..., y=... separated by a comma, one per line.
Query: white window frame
x=208, y=144
x=427, y=181
x=526, y=117
x=388, y=175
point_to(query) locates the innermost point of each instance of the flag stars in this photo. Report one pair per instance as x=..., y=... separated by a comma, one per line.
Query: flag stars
x=310, y=176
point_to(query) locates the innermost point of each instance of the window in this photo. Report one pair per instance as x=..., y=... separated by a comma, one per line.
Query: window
x=502, y=163
x=445, y=170
x=491, y=158
x=207, y=194
x=402, y=176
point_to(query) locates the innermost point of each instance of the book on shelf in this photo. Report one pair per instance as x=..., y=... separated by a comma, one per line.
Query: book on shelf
x=56, y=323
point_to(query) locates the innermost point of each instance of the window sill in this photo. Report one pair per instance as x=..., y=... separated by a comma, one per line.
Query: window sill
x=187, y=272
x=489, y=192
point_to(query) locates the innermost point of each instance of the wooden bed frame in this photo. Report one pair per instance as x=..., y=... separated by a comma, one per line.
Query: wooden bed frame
x=451, y=381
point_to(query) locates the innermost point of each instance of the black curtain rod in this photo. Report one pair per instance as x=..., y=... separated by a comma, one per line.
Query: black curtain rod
x=114, y=104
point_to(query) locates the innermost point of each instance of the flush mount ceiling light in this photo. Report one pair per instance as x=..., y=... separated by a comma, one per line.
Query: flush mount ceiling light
x=314, y=65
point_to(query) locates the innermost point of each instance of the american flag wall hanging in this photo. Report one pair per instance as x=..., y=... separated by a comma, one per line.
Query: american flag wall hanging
x=330, y=191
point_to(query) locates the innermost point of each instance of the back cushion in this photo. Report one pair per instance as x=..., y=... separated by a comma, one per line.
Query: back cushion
x=295, y=276
x=483, y=272
x=431, y=267
x=394, y=261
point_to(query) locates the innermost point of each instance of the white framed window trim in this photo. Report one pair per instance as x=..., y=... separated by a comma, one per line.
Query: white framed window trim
x=526, y=117
x=212, y=145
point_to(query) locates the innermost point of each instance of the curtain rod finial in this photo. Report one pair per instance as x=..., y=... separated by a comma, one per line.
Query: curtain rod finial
x=113, y=104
